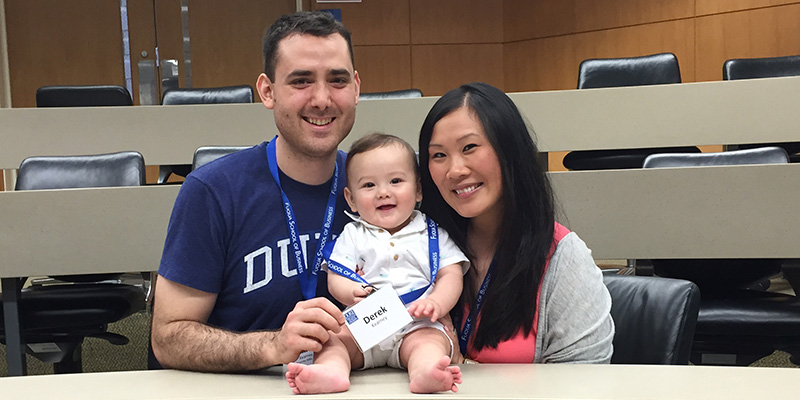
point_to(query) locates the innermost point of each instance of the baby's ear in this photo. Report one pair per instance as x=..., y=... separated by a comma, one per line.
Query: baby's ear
x=351, y=201
x=419, y=191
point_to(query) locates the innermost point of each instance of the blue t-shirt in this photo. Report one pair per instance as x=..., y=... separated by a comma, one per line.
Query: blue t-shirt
x=228, y=235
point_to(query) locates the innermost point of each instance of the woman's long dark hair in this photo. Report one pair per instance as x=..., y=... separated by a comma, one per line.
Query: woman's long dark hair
x=526, y=229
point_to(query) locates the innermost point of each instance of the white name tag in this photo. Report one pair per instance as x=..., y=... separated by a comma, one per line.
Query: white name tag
x=306, y=357
x=378, y=316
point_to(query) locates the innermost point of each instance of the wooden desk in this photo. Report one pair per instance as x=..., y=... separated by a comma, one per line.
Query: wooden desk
x=705, y=113
x=498, y=381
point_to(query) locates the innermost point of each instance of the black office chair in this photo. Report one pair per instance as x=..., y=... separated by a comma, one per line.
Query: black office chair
x=206, y=154
x=654, y=318
x=83, y=96
x=770, y=67
x=739, y=322
x=396, y=94
x=215, y=95
x=74, y=307
x=656, y=69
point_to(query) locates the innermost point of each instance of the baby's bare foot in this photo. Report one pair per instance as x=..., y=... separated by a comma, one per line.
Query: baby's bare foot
x=440, y=377
x=314, y=379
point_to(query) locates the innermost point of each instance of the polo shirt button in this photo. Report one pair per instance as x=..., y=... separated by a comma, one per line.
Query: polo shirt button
x=380, y=230
x=396, y=257
x=391, y=244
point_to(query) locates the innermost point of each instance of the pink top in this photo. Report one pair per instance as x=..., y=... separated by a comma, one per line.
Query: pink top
x=519, y=349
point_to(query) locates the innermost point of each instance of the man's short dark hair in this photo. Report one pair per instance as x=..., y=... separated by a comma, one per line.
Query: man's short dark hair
x=315, y=23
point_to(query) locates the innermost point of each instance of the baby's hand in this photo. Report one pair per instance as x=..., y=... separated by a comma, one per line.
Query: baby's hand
x=426, y=308
x=361, y=293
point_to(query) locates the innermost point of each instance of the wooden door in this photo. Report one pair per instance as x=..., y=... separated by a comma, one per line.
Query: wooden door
x=224, y=38
x=80, y=42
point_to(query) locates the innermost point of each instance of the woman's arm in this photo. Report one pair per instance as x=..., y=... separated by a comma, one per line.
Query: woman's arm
x=575, y=324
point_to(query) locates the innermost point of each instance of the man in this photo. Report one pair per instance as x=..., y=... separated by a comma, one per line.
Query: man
x=237, y=287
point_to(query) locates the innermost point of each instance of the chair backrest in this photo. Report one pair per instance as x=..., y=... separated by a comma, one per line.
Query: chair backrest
x=761, y=155
x=653, y=69
x=206, y=154
x=83, y=96
x=770, y=67
x=215, y=95
x=60, y=172
x=397, y=94
x=654, y=318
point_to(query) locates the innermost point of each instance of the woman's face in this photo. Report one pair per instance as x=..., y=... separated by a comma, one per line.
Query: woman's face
x=464, y=166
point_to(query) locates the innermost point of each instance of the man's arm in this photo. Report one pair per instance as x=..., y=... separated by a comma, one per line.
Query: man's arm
x=182, y=339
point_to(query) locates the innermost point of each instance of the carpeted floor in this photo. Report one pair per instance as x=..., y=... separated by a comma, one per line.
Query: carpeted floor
x=99, y=355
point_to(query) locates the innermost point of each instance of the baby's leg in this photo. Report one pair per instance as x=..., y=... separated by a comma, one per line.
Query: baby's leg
x=426, y=354
x=331, y=370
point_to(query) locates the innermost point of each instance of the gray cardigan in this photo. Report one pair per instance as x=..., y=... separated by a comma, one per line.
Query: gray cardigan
x=575, y=324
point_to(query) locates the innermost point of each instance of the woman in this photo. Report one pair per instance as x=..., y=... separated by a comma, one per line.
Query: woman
x=534, y=293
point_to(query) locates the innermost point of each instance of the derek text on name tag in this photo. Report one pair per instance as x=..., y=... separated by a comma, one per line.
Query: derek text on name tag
x=378, y=316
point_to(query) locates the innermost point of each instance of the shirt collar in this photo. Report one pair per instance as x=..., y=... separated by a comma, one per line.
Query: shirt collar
x=416, y=224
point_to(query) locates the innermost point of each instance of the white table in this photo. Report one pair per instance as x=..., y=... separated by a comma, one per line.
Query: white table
x=498, y=381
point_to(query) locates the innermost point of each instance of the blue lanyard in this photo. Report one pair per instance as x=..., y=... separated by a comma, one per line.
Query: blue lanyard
x=433, y=253
x=308, y=284
x=463, y=338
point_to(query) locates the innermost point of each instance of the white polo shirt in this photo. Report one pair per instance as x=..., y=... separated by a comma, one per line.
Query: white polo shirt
x=401, y=260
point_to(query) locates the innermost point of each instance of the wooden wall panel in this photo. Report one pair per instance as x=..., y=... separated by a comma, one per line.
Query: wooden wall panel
x=59, y=43
x=383, y=68
x=765, y=32
x=524, y=19
x=5, y=87
x=435, y=69
x=226, y=40
x=538, y=19
x=552, y=63
x=705, y=7
x=374, y=22
x=456, y=21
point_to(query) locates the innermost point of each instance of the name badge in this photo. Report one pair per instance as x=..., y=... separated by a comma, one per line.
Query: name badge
x=378, y=316
x=306, y=357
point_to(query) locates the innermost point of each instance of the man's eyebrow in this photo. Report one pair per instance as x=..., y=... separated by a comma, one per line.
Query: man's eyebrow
x=299, y=73
x=340, y=71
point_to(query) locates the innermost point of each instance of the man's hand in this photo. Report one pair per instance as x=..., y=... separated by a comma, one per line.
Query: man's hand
x=307, y=328
x=428, y=308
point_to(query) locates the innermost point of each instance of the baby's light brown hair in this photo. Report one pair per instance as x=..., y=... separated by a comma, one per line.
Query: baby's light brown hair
x=377, y=140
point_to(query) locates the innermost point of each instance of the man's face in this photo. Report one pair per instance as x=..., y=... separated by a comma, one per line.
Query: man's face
x=314, y=94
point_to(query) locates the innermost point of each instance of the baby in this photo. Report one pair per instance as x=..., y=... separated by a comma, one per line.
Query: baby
x=388, y=246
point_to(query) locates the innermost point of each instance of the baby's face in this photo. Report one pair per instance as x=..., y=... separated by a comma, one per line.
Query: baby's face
x=382, y=187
